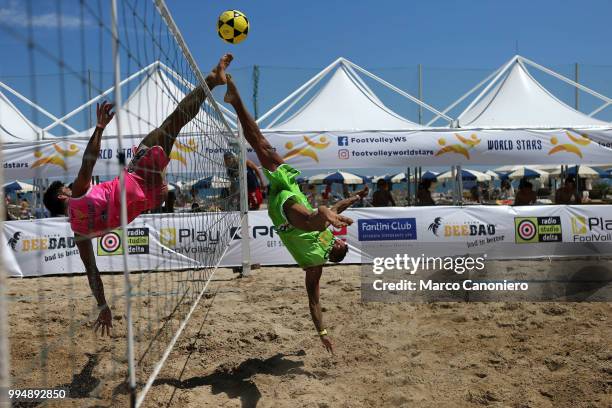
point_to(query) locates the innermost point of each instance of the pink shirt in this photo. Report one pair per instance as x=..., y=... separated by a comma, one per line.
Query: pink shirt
x=99, y=210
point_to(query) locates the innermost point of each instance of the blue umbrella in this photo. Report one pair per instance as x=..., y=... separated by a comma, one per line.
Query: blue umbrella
x=301, y=180
x=340, y=177
x=212, y=182
x=429, y=175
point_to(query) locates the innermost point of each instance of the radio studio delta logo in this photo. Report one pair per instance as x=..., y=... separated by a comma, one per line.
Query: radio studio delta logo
x=529, y=230
x=110, y=243
x=591, y=229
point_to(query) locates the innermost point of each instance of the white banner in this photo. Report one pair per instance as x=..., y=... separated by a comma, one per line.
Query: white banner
x=339, y=150
x=62, y=158
x=343, y=150
x=181, y=241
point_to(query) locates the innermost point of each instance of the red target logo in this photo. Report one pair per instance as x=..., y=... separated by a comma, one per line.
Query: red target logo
x=526, y=230
x=110, y=242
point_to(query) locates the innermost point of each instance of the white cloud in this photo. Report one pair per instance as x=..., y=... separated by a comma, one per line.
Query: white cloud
x=15, y=16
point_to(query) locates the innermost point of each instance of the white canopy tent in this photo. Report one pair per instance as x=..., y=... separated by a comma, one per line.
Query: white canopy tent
x=511, y=98
x=148, y=105
x=343, y=103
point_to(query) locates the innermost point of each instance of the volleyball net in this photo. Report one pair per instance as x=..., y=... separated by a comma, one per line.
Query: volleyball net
x=69, y=57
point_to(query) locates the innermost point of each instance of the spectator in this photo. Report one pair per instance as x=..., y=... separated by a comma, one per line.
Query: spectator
x=382, y=196
x=476, y=193
x=311, y=195
x=24, y=206
x=507, y=191
x=567, y=194
x=525, y=194
x=169, y=204
x=424, y=193
x=254, y=184
x=195, y=207
x=231, y=195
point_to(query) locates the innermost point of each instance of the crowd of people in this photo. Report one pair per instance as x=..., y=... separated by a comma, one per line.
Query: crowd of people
x=382, y=196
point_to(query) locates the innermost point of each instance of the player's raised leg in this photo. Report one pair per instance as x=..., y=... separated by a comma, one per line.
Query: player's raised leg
x=266, y=154
x=187, y=109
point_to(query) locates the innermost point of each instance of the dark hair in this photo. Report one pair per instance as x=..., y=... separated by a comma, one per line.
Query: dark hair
x=50, y=199
x=570, y=179
x=381, y=182
x=335, y=256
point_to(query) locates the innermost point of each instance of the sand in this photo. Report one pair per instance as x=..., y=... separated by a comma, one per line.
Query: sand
x=251, y=343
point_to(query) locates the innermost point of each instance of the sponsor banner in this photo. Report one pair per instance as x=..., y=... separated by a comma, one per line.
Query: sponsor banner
x=61, y=157
x=184, y=241
x=441, y=147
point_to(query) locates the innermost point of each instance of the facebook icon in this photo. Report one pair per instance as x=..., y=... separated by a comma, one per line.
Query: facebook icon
x=343, y=141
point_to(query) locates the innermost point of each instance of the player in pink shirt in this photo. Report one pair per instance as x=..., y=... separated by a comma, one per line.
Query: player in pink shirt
x=94, y=210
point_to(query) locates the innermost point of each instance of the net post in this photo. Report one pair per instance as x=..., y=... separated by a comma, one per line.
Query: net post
x=4, y=347
x=121, y=158
x=244, y=206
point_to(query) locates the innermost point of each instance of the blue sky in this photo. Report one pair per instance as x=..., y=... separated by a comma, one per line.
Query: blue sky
x=458, y=43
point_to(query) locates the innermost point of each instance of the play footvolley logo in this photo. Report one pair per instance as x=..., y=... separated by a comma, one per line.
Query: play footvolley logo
x=387, y=229
x=531, y=230
x=138, y=242
x=167, y=237
x=579, y=225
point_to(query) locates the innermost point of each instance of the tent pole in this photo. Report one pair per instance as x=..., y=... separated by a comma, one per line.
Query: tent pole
x=576, y=94
x=566, y=80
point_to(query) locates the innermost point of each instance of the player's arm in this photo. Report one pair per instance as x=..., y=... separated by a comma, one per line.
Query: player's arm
x=254, y=167
x=342, y=205
x=92, y=151
x=313, y=276
x=307, y=220
x=86, y=252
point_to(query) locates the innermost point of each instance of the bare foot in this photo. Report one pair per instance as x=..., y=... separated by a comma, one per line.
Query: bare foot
x=231, y=95
x=217, y=75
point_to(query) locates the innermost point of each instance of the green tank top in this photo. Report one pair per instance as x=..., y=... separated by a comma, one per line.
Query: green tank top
x=308, y=248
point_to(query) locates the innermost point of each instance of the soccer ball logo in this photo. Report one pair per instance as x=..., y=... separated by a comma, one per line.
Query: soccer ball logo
x=233, y=26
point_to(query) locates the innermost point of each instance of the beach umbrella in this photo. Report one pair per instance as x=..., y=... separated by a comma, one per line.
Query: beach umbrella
x=583, y=171
x=466, y=174
x=398, y=178
x=527, y=172
x=493, y=174
x=385, y=177
x=212, y=182
x=340, y=177
x=18, y=186
x=301, y=180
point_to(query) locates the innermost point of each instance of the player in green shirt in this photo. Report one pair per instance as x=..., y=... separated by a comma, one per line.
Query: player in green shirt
x=303, y=230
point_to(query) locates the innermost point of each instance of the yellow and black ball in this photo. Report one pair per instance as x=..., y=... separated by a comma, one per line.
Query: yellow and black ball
x=233, y=26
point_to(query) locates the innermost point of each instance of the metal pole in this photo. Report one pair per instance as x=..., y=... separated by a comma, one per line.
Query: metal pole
x=454, y=176
x=460, y=184
x=577, y=95
x=124, y=218
x=255, y=91
x=244, y=207
x=89, y=96
x=4, y=347
x=408, y=194
x=420, y=93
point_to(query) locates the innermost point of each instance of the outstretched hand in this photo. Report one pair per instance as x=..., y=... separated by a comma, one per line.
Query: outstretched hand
x=104, y=113
x=327, y=343
x=105, y=321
